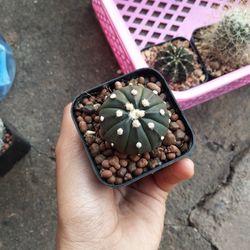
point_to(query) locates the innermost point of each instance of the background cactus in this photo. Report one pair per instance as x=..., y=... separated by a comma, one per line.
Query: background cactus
x=175, y=63
x=2, y=132
x=134, y=120
x=230, y=40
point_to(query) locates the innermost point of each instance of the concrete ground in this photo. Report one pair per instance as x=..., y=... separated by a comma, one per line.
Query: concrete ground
x=61, y=50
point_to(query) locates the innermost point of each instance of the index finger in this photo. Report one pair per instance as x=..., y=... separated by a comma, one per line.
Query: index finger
x=74, y=173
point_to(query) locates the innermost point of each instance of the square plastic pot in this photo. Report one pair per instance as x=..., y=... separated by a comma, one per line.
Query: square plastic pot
x=17, y=150
x=146, y=72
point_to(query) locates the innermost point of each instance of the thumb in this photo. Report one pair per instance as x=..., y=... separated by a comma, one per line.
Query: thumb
x=168, y=178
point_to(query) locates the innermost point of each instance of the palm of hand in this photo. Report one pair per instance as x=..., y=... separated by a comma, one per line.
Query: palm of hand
x=92, y=216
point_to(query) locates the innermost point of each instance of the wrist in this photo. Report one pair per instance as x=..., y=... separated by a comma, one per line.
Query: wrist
x=66, y=244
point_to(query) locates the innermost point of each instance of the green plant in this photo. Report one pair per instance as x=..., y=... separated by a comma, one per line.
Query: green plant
x=230, y=41
x=175, y=63
x=134, y=120
x=2, y=132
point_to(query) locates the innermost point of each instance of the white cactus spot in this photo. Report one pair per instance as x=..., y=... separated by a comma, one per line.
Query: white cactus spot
x=145, y=103
x=136, y=124
x=134, y=92
x=101, y=118
x=129, y=106
x=162, y=111
x=138, y=145
x=120, y=131
x=151, y=125
x=155, y=92
x=113, y=96
x=112, y=144
x=119, y=113
x=162, y=138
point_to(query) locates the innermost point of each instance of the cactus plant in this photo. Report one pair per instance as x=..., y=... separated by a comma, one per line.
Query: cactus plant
x=230, y=40
x=175, y=63
x=134, y=119
x=2, y=132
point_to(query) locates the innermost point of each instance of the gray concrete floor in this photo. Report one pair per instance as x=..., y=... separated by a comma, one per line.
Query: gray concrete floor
x=61, y=50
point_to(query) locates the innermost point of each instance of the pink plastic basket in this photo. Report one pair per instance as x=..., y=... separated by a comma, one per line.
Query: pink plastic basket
x=131, y=25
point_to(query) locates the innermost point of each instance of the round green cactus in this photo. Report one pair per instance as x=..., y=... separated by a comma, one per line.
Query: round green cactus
x=134, y=119
x=230, y=41
x=175, y=63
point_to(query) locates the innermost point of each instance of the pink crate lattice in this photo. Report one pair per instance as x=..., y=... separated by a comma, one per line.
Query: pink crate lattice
x=131, y=25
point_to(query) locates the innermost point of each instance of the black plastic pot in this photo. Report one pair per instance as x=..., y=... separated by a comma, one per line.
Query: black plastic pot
x=194, y=49
x=146, y=72
x=16, y=151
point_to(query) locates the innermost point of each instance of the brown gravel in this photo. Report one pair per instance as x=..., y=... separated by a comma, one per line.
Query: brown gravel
x=174, y=117
x=154, y=86
x=171, y=156
x=142, y=163
x=121, y=172
x=195, y=78
x=170, y=139
x=131, y=167
x=115, y=167
x=82, y=125
x=111, y=180
x=138, y=171
x=179, y=134
x=7, y=142
x=173, y=126
x=106, y=174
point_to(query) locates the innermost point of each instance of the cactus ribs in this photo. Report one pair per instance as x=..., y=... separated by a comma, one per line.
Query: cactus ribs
x=130, y=129
x=175, y=63
x=134, y=119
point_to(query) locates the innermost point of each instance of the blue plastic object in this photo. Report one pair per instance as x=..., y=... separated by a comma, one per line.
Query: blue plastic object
x=7, y=68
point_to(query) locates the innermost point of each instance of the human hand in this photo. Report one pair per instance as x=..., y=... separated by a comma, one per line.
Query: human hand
x=93, y=216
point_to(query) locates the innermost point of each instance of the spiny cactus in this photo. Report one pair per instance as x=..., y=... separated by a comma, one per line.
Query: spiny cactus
x=175, y=63
x=134, y=120
x=2, y=132
x=230, y=41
